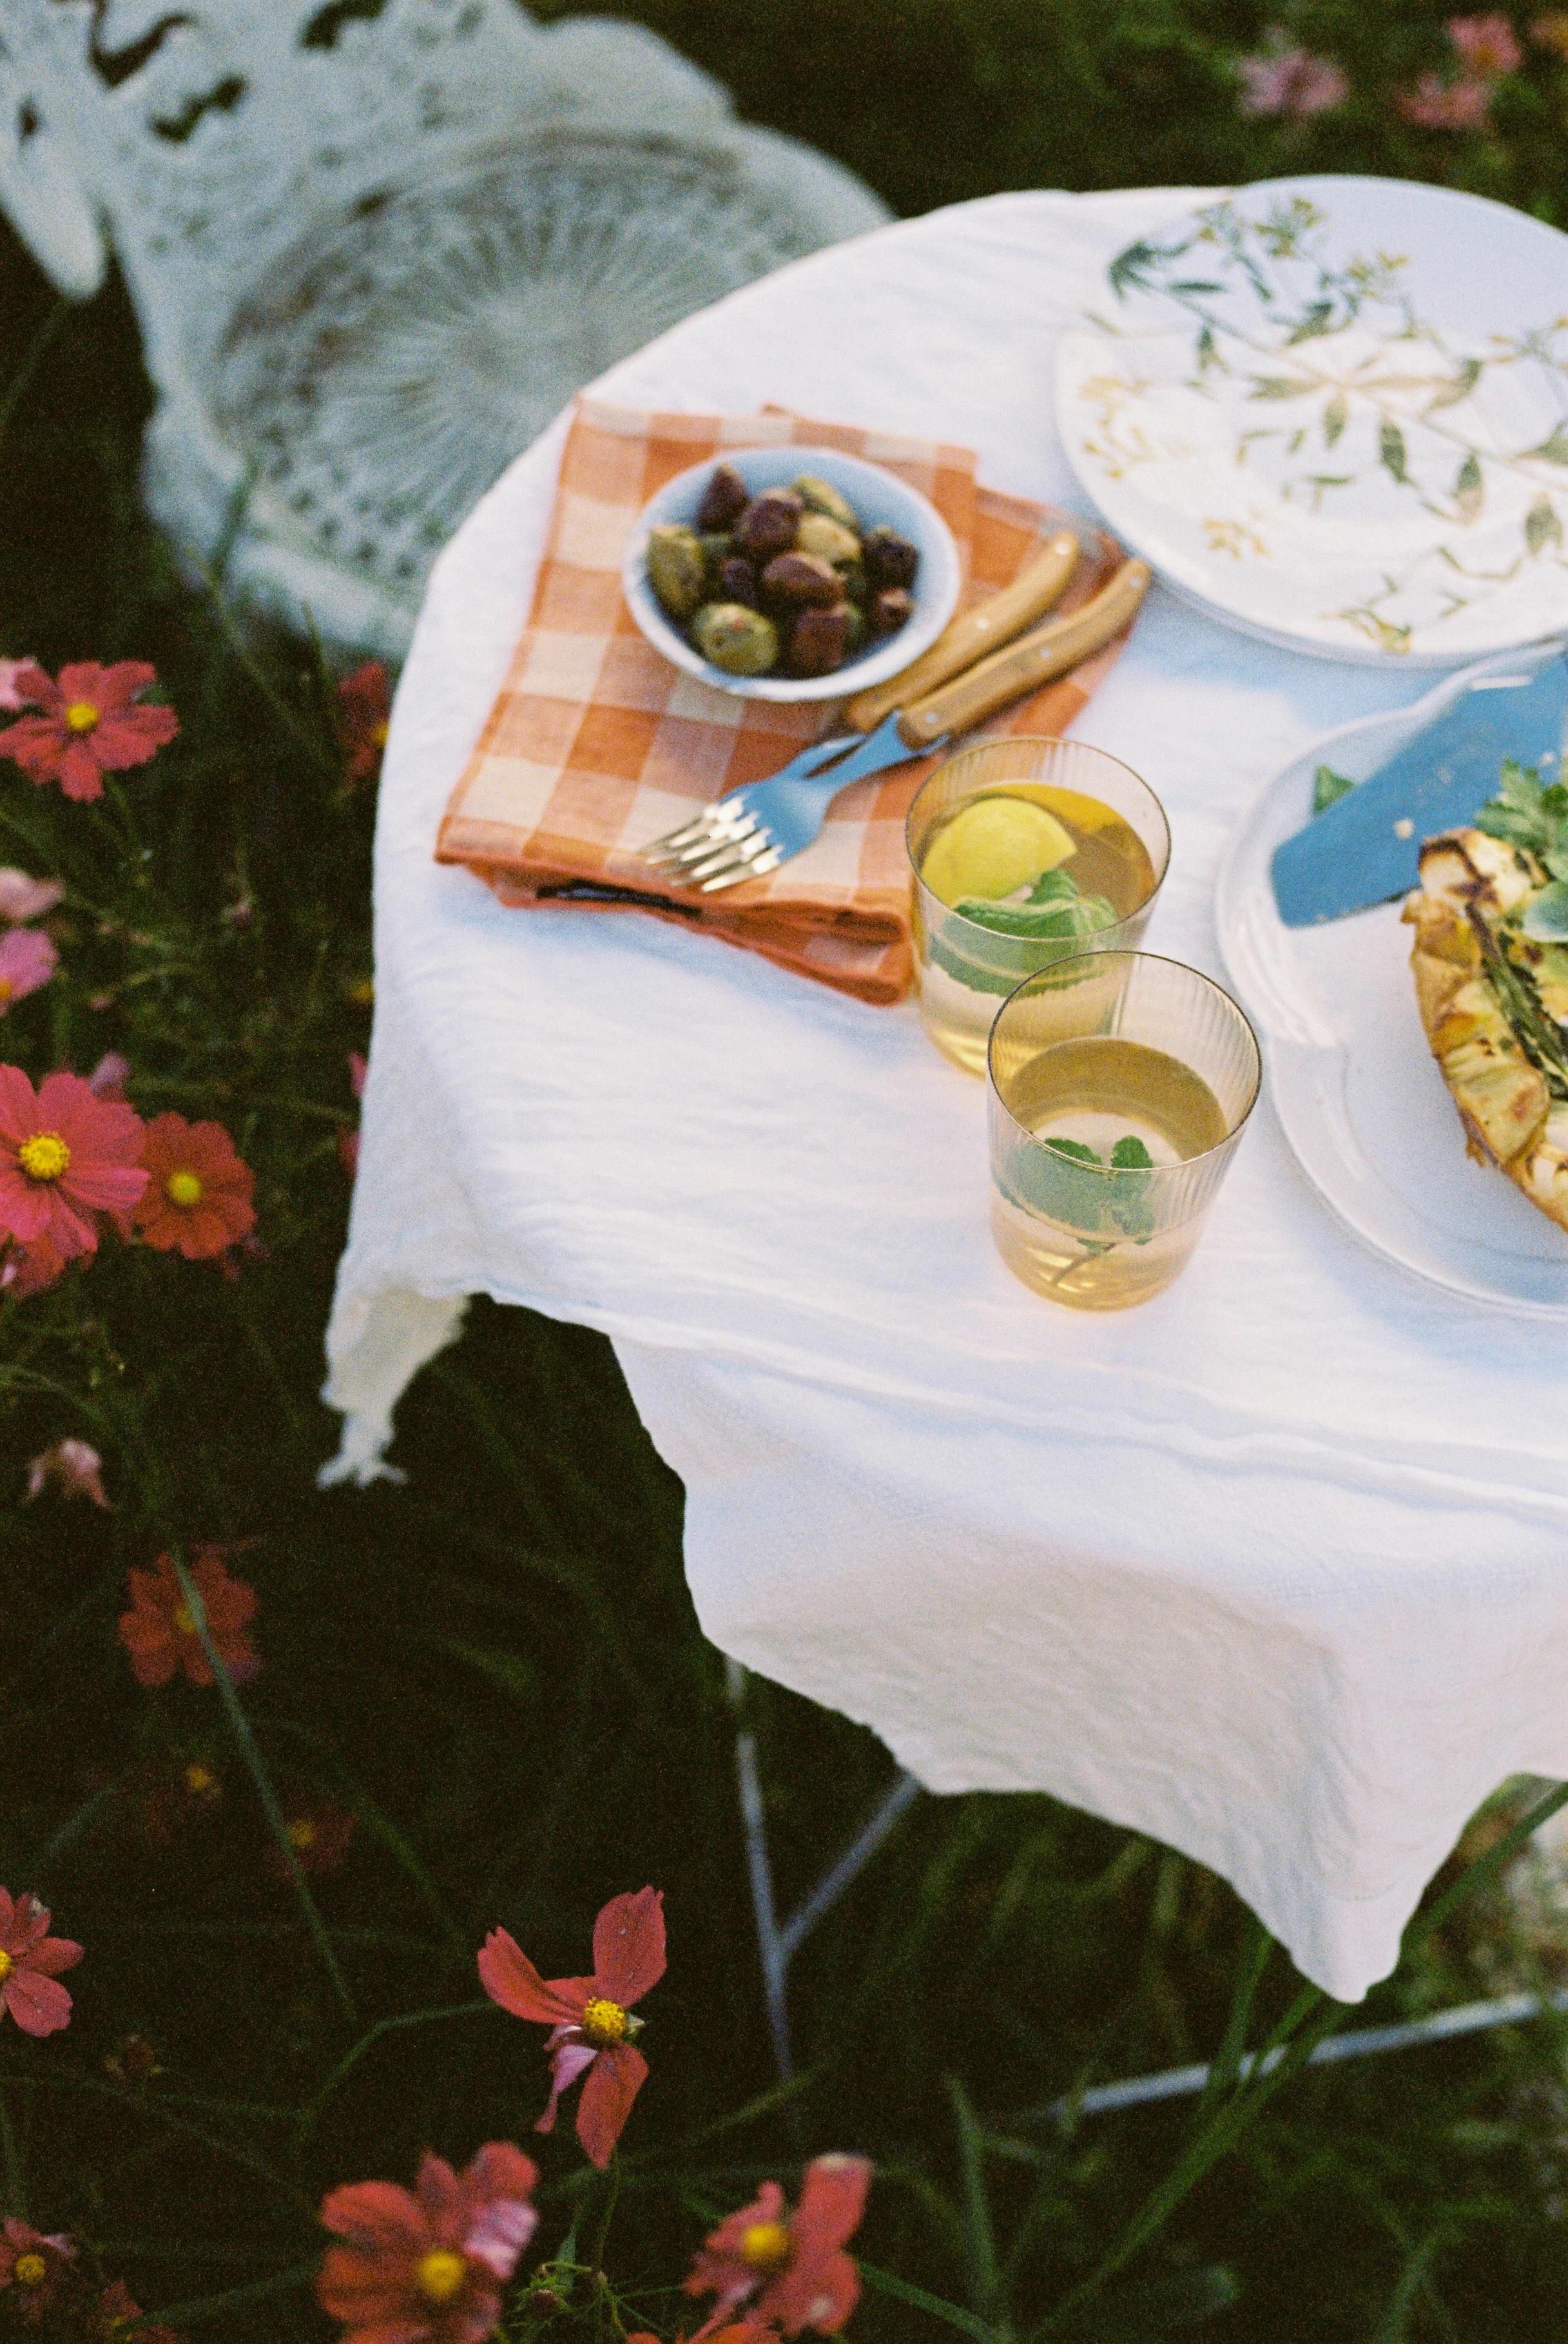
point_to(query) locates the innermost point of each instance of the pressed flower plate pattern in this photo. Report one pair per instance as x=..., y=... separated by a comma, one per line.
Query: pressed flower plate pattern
x=1336, y=413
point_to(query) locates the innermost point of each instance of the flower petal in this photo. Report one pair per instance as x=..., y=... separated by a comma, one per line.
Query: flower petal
x=832, y=2201
x=509, y=1977
x=40, y=2006
x=616, y=2078
x=54, y=1956
x=629, y=1946
x=376, y=2213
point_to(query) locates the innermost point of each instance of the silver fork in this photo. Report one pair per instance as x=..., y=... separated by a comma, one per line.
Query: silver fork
x=751, y=831
x=754, y=829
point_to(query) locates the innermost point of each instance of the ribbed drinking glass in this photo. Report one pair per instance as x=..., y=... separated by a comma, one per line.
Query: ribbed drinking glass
x=1119, y=1086
x=1103, y=885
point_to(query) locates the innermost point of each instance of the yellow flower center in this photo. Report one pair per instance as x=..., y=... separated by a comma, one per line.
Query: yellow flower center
x=30, y=2270
x=7, y=1966
x=6, y=988
x=605, y=2023
x=81, y=716
x=765, y=2246
x=198, y=1780
x=302, y=1835
x=185, y=1618
x=378, y=734
x=183, y=1188
x=43, y=1157
x=440, y=2274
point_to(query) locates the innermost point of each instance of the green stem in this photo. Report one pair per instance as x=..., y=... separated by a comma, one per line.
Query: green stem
x=611, y=2195
x=256, y=1766
x=11, y=2159
x=33, y=357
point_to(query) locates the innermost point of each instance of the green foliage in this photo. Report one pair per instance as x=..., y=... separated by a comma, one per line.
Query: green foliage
x=934, y=101
x=494, y=1668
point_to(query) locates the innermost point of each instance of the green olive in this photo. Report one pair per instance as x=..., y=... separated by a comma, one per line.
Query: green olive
x=822, y=497
x=677, y=569
x=741, y=641
x=827, y=539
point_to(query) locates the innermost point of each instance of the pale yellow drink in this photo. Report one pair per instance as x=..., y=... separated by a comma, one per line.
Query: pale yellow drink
x=995, y=829
x=1119, y=1087
x=1091, y=1237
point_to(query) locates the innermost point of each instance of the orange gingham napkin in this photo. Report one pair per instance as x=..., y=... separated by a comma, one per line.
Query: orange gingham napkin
x=597, y=745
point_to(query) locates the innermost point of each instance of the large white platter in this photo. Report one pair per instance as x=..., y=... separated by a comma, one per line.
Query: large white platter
x=1364, y=1109
x=1334, y=411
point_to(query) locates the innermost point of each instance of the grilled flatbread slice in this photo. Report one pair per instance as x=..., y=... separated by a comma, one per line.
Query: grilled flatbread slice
x=1495, y=1004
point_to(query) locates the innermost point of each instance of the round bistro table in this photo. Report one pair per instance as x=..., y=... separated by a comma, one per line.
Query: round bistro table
x=1274, y=1568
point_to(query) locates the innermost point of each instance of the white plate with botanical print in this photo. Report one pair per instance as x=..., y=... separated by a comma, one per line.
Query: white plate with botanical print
x=1334, y=411
x=1366, y=1112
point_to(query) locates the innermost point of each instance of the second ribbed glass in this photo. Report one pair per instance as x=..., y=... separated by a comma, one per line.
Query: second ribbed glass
x=1119, y=1086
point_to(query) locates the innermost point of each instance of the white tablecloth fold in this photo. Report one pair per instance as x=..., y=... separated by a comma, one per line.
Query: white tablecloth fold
x=1275, y=1568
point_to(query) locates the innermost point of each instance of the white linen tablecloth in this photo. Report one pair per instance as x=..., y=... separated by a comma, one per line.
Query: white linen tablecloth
x=1275, y=1568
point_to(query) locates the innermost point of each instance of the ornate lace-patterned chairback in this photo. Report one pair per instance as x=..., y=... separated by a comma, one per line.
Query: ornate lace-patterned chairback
x=374, y=245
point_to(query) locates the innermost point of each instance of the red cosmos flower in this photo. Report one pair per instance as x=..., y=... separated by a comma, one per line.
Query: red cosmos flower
x=74, y=1467
x=198, y=1196
x=89, y=724
x=27, y=960
x=158, y=1632
x=426, y=2265
x=31, y=1962
x=364, y=713
x=790, y=2270
x=319, y=1836
x=590, y=2019
x=11, y=673
x=64, y=1156
x=120, y=2319
x=34, y=2263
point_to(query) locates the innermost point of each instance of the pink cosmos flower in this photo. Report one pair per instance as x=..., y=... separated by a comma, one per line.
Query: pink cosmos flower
x=88, y=724
x=349, y=1141
x=11, y=673
x=107, y=1079
x=22, y=898
x=1283, y=79
x=1433, y=104
x=31, y=1962
x=1485, y=45
x=65, y=1157
x=1552, y=31
x=27, y=960
x=199, y=1192
x=426, y=2265
x=75, y=1469
x=790, y=2270
x=590, y=2018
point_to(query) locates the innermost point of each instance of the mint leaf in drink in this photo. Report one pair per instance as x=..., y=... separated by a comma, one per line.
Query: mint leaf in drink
x=1057, y=886
x=1130, y=1155
x=1068, y=916
x=1329, y=788
x=1079, y=1153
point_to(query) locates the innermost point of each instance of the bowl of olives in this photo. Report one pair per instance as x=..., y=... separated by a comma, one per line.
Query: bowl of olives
x=791, y=573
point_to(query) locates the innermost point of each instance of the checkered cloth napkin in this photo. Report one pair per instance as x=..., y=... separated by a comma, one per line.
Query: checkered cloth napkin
x=596, y=746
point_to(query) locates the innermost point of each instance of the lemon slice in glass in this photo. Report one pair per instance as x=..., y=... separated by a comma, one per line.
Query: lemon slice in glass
x=992, y=846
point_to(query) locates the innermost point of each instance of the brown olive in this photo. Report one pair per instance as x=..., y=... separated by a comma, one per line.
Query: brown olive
x=889, y=611
x=890, y=559
x=717, y=546
x=818, y=534
x=819, y=639
x=724, y=499
x=741, y=641
x=769, y=523
x=676, y=569
x=791, y=580
x=738, y=581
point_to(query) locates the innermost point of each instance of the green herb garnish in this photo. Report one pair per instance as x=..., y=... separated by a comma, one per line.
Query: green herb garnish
x=1329, y=788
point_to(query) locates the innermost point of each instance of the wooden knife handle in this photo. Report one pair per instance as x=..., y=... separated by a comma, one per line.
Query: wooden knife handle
x=1023, y=666
x=964, y=640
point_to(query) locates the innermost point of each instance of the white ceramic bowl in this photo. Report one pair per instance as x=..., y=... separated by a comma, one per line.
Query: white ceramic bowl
x=880, y=500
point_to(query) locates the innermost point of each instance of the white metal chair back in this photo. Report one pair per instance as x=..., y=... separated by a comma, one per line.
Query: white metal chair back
x=373, y=245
